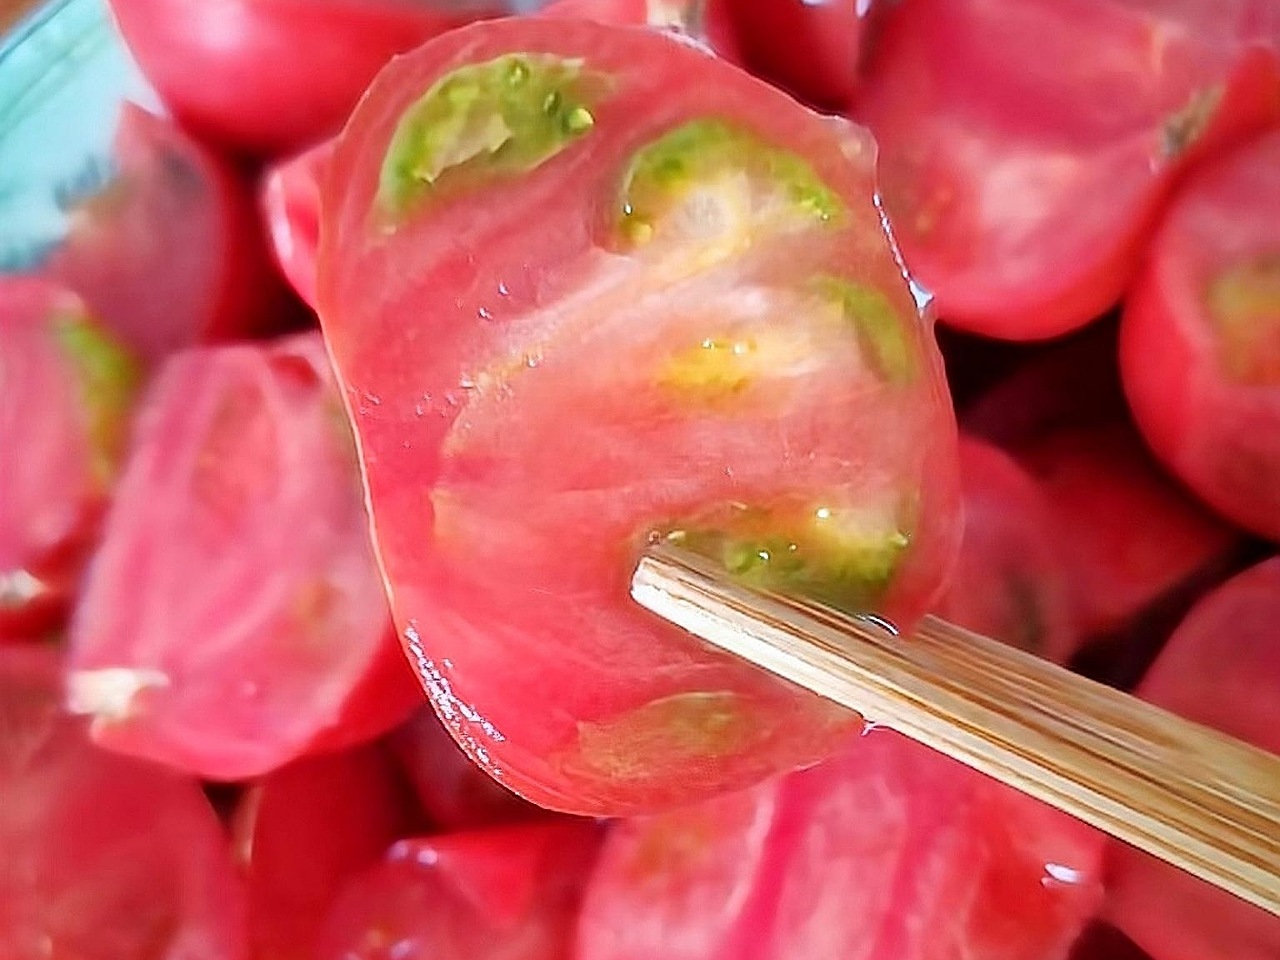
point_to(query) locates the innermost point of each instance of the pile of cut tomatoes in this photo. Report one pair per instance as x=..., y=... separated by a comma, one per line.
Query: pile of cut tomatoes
x=333, y=429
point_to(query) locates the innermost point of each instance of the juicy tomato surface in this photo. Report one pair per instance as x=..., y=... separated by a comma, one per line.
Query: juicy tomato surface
x=105, y=856
x=303, y=831
x=451, y=790
x=1010, y=581
x=66, y=393
x=586, y=287
x=291, y=207
x=274, y=76
x=169, y=251
x=1221, y=668
x=234, y=618
x=887, y=850
x=506, y=893
x=1200, y=339
x=1026, y=149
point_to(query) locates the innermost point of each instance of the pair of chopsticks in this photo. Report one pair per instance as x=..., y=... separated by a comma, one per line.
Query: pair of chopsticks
x=1187, y=794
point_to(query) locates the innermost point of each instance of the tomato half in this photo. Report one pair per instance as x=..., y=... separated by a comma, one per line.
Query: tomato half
x=1200, y=339
x=887, y=851
x=1221, y=668
x=274, y=76
x=66, y=394
x=291, y=206
x=105, y=857
x=1026, y=150
x=234, y=618
x=169, y=251
x=590, y=286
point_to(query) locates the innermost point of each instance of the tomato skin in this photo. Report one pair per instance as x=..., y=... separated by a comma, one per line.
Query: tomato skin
x=271, y=77
x=1221, y=668
x=105, y=856
x=1217, y=430
x=1021, y=196
x=481, y=895
x=62, y=419
x=534, y=654
x=238, y=521
x=886, y=851
x=170, y=252
x=291, y=207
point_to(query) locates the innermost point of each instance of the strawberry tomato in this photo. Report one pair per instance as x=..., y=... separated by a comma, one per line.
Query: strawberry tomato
x=105, y=857
x=1026, y=148
x=274, y=76
x=66, y=392
x=1200, y=340
x=234, y=618
x=587, y=287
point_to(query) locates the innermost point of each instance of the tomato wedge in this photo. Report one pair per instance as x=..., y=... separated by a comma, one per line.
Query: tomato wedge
x=291, y=206
x=105, y=857
x=234, y=618
x=1221, y=668
x=66, y=393
x=586, y=287
x=169, y=251
x=274, y=76
x=508, y=892
x=1026, y=151
x=887, y=851
x=1200, y=339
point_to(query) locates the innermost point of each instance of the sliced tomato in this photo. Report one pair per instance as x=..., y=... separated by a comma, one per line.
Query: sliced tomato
x=1010, y=581
x=303, y=831
x=1200, y=339
x=888, y=851
x=274, y=76
x=625, y=292
x=234, y=618
x=453, y=792
x=169, y=252
x=1221, y=668
x=67, y=390
x=510, y=892
x=291, y=205
x=105, y=857
x=1026, y=151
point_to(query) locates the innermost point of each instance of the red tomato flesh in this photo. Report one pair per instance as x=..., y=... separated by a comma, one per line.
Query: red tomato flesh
x=66, y=393
x=105, y=857
x=1221, y=668
x=170, y=252
x=234, y=618
x=668, y=308
x=1010, y=581
x=291, y=206
x=303, y=831
x=274, y=76
x=509, y=893
x=888, y=851
x=1026, y=150
x=1200, y=339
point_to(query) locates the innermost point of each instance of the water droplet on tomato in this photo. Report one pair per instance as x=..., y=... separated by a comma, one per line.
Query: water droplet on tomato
x=484, y=313
x=880, y=623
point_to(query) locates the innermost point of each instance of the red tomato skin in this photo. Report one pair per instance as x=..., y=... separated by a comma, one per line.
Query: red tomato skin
x=492, y=894
x=170, y=253
x=303, y=831
x=1221, y=668
x=271, y=77
x=460, y=630
x=55, y=477
x=886, y=851
x=1218, y=433
x=238, y=521
x=1010, y=581
x=1056, y=259
x=105, y=856
x=291, y=208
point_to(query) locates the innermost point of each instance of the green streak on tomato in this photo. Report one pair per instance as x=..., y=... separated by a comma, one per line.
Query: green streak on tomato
x=1244, y=301
x=879, y=326
x=502, y=117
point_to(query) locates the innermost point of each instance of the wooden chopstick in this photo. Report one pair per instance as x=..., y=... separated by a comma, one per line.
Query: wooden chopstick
x=1187, y=794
